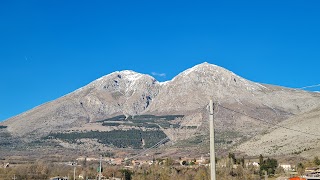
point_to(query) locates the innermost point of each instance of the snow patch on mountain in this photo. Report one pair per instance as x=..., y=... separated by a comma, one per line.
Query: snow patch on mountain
x=164, y=83
x=131, y=75
x=202, y=68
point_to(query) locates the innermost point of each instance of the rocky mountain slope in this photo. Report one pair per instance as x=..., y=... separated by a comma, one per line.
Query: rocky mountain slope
x=129, y=93
x=124, y=92
x=298, y=135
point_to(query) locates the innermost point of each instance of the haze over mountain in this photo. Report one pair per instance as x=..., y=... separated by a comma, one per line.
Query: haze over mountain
x=130, y=93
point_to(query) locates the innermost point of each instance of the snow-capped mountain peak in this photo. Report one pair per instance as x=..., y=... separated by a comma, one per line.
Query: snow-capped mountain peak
x=131, y=75
x=199, y=68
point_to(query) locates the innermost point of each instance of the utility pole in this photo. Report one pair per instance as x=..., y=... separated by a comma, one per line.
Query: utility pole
x=100, y=168
x=265, y=175
x=74, y=170
x=212, y=152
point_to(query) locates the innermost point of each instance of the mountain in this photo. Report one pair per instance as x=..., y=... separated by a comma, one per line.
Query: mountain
x=298, y=135
x=124, y=92
x=244, y=110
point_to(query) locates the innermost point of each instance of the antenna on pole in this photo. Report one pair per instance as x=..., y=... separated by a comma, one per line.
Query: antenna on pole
x=212, y=152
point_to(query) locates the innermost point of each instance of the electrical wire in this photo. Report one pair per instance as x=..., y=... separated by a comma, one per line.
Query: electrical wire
x=274, y=124
x=312, y=86
x=155, y=145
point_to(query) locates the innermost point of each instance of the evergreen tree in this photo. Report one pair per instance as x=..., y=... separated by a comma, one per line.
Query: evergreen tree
x=260, y=159
x=300, y=168
x=316, y=161
x=269, y=165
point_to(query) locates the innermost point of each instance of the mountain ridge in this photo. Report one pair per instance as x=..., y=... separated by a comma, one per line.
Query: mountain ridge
x=130, y=93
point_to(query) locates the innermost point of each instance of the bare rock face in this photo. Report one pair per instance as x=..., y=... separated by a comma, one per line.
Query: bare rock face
x=258, y=105
x=193, y=88
x=124, y=92
x=299, y=137
x=245, y=108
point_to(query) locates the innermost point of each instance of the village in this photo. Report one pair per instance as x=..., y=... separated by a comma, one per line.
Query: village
x=109, y=168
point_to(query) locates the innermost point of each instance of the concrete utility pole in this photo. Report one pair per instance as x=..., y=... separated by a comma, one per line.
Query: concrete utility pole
x=212, y=152
x=100, y=167
x=74, y=170
x=265, y=175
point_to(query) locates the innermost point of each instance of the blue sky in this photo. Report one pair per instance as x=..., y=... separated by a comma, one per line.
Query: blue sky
x=50, y=48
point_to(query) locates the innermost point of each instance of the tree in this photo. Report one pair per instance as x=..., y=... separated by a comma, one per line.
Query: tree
x=269, y=165
x=126, y=173
x=84, y=162
x=242, y=162
x=260, y=159
x=233, y=158
x=316, y=161
x=300, y=168
x=184, y=163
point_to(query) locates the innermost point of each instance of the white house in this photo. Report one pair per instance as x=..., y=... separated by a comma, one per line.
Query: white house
x=286, y=167
x=255, y=164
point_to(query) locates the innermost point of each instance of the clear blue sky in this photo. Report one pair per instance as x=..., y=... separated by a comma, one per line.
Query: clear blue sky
x=52, y=47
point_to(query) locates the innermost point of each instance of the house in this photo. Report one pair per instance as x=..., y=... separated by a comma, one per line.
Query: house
x=313, y=175
x=304, y=178
x=201, y=161
x=187, y=161
x=311, y=169
x=151, y=162
x=136, y=162
x=297, y=178
x=87, y=159
x=286, y=167
x=254, y=164
x=116, y=161
x=6, y=165
x=59, y=178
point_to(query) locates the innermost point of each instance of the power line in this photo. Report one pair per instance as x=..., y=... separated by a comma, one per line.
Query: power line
x=155, y=145
x=312, y=86
x=264, y=121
